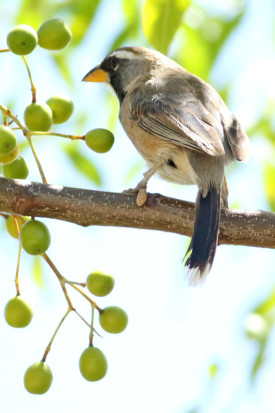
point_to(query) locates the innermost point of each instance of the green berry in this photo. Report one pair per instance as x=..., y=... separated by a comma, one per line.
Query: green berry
x=18, y=313
x=9, y=157
x=61, y=108
x=11, y=226
x=54, y=34
x=100, y=284
x=35, y=237
x=38, y=117
x=38, y=378
x=99, y=140
x=18, y=169
x=93, y=364
x=7, y=140
x=113, y=319
x=22, y=39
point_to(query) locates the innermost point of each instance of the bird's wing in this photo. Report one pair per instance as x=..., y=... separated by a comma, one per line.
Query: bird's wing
x=190, y=125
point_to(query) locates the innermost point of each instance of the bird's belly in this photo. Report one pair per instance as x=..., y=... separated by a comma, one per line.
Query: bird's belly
x=176, y=166
x=181, y=174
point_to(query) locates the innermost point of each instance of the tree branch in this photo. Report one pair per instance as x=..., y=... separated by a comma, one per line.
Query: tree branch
x=85, y=207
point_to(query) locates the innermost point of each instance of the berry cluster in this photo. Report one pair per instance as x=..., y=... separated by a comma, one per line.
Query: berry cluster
x=32, y=234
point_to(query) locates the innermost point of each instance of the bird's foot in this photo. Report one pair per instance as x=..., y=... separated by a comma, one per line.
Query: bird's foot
x=140, y=191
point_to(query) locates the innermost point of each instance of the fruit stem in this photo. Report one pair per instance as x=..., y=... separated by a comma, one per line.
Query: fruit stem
x=62, y=135
x=33, y=88
x=4, y=50
x=82, y=318
x=94, y=304
x=28, y=136
x=92, y=326
x=9, y=113
x=4, y=215
x=54, y=334
x=61, y=279
x=77, y=283
x=17, y=270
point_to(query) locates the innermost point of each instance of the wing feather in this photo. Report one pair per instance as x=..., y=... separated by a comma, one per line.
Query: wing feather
x=186, y=125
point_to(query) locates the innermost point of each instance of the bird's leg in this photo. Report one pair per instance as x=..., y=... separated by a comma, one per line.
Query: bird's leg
x=141, y=187
x=225, y=193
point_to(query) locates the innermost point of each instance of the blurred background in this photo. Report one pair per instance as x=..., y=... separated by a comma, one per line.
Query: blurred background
x=209, y=349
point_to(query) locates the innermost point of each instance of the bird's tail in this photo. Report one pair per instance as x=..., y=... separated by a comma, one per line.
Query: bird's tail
x=201, y=251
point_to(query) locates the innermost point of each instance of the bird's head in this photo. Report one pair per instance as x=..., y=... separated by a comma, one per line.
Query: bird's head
x=124, y=66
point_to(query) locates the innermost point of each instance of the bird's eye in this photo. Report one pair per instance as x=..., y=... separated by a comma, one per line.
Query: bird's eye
x=114, y=64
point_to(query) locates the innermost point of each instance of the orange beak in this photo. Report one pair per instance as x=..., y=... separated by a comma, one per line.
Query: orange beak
x=96, y=75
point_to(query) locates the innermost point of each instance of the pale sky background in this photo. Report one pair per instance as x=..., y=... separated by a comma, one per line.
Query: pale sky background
x=160, y=363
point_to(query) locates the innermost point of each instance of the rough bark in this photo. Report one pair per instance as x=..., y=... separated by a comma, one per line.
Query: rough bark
x=85, y=207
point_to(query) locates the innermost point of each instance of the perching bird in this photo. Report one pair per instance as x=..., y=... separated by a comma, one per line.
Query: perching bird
x=183, y=129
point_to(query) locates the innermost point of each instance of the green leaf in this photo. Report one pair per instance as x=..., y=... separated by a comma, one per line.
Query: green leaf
x=161, y=20
x=267, y=305
x=37, y=272
x=112, y=108
x=213, y=370
x=202, y=38
x=82, y=13
x=258, y=362
x=83, y=164
x=133, y=172
x=265, y=125
x=131, y=11
x=269, y=175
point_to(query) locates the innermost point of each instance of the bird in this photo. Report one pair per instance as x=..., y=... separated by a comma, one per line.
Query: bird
x=185, y=132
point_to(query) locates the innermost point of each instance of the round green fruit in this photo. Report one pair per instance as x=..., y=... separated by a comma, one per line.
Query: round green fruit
x=100, y=284
x=54, y=34
x=38, y=117
x=113, y=319
x=93, y=364
x=10, y=225
x=38, y=378
x=18, y=169
x=18, y=313
x=9, y=157
x=99, y=140
x=35, y=237
x=8, y=140
x=22, y=39
x=61, y=107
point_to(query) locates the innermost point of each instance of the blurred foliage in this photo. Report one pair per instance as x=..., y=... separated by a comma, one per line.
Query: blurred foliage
x=269, y=179
x=259, y=325
x=213, y=370
x=202, y=38
x=131, y=27
x=37, y=272
x=160, y=21
x=133, y=172
x=265, y=125
x=82, y=163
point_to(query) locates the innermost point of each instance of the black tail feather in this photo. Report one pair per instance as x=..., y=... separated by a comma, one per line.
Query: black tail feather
x=202, y=248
